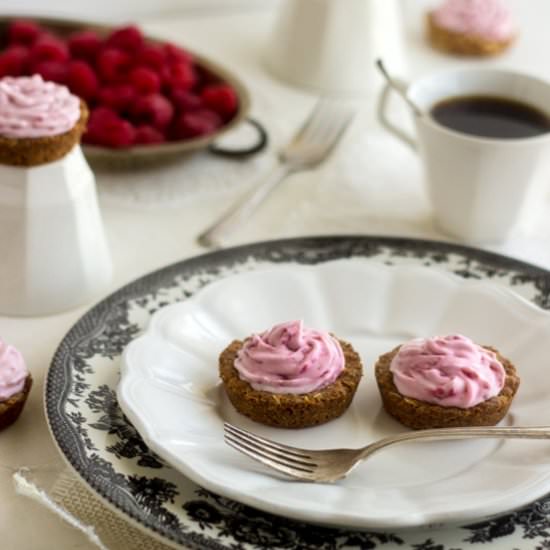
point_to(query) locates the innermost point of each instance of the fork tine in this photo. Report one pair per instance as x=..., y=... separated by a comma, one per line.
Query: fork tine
x=314, y=116
x=323, y=130
x=275, y=465
x=319, y=119
x=268, y=457
x=272, y=452
x=299, y=463
x=337, y=125
x=325, y=112
x=242, y=433
x=328, y=112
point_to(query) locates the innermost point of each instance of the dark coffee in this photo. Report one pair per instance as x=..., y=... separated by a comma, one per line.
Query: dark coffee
x=491, y=117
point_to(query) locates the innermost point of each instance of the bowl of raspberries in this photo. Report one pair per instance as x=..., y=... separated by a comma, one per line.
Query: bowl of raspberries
x=146, y=97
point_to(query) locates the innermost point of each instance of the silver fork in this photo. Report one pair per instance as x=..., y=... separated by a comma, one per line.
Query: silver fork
x=334, y=464
x=307, y=149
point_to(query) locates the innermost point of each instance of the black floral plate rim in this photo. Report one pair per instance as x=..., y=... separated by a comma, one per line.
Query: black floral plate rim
x=68, y=369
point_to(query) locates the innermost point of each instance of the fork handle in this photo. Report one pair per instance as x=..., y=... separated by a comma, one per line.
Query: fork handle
x=243, y=208
x=511, y=432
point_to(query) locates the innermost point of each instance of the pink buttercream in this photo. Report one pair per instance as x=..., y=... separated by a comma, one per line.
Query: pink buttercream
x=451, y=371
x=487, y=19
x=13, y=371
x=31, y=107
x=290, y=358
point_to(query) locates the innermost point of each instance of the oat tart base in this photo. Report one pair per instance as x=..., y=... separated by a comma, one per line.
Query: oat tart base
x=463, y=44
x=41, y=150
x=420, y=415
x=12, y=408
x=291, y=410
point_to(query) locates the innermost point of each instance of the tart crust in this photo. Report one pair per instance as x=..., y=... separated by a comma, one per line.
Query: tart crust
x=419, y=415
x=284, y=410
x=12, y=407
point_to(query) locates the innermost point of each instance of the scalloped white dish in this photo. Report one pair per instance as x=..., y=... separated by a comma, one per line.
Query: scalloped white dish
x=170, y=391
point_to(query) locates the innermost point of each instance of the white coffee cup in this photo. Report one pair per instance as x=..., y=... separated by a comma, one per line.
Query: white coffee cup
x=477, y=185
x=330, y=47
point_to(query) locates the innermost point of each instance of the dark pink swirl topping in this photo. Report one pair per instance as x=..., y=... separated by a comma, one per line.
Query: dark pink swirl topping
x=290, y=358
x=451, y=371
x=31, y=107
x=13, y=371
x=487, y=19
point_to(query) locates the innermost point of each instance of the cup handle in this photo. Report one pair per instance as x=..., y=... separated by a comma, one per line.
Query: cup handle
x=398, y=132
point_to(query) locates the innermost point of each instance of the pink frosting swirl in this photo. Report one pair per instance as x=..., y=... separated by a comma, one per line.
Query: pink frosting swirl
x=13, y=371
x=31, y=107
x=488, y=19
x=290, y=358
x=450, y=371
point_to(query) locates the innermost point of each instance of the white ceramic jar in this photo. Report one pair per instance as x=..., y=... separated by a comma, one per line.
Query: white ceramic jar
x=53, y=250
x=331, y=46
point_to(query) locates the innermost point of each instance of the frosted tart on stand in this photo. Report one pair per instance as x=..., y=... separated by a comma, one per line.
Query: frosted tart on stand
x=51, y=231
x=15, y=384
x=471, y=27
x=446, y=381
x=290, y=376
x=40, y=122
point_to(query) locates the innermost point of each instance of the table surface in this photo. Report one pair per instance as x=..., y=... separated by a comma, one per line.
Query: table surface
x=153, y=215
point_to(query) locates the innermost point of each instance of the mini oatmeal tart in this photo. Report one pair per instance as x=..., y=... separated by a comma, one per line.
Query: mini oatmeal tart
x=40, y=122
x=15, y=384
x=290, y=376
x=446, y=381
x=471, y=27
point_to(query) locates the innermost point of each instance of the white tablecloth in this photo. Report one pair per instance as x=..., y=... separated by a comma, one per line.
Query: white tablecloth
x=372, y=185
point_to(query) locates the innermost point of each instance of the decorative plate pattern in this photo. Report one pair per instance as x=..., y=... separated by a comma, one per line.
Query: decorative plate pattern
x=108, y=453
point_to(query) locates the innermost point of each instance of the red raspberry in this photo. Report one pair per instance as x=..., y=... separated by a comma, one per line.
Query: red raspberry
x=150, y=55
x=119, y=134
x=119, y=97
x=101, y=115
x=107, y=129
x=51, y=70
x=82, y=80
x=211, y=116
x=153, y=109
x=206, y=78
x=145, y=80
x=6, y=67
x=195, y=124
x=92, y=135
x=220, y=98
x=49, y=48
x=176, y=54
x=112, y=64
x=14, y=61
x=84, y=45
x=185, y=101
x=148, y=135
x=180, y=76
x=127, y=38
x=22, y=31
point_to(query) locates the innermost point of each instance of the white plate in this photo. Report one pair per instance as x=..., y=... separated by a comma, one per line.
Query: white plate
x=171, y=392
